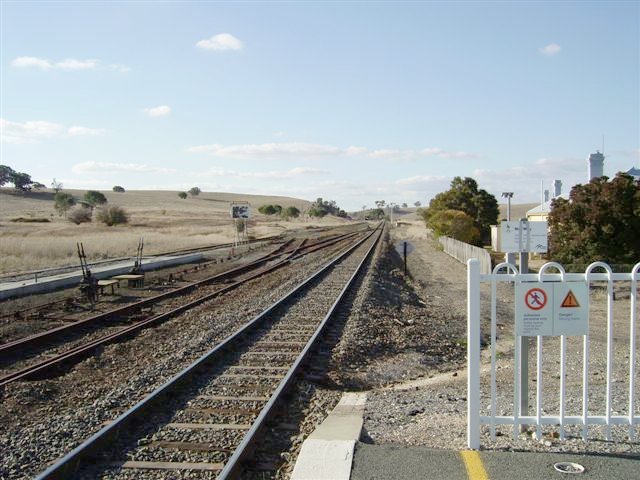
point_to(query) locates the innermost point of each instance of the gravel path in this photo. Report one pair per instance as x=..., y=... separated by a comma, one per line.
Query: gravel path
x=418, y=394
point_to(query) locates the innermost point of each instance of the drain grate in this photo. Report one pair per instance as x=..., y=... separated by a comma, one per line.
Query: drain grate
x=568, y=467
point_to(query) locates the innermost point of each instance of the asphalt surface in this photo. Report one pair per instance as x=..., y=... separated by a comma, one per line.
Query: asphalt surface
x=393, y=462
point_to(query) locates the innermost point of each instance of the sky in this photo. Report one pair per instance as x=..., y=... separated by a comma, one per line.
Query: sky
x=349, y=101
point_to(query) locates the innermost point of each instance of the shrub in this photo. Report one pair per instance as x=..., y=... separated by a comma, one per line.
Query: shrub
x=30, y=220
x=80, y=215
x=118, y=189
x=95, y=198
x=291, y=212
x=182, y=195
x=268, y=210
x=63, y=202
x=454, y=224
x=112, y=216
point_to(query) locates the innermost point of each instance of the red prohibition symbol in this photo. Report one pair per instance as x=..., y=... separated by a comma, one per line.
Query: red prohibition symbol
x=536, y=298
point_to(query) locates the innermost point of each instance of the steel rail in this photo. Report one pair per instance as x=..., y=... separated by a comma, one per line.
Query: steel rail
x=79, y=352
x=38, y=338
x=234, y=464
x=68, y=466
x=127, y=309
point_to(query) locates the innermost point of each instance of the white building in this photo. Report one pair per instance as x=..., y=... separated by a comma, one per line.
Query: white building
x=541, y=212
x=596, y=165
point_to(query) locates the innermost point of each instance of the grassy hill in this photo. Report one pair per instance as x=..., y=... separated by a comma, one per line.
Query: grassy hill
x=164, y=220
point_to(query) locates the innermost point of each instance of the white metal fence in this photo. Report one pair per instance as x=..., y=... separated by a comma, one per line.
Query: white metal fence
x=463, y=252
x=625, y=413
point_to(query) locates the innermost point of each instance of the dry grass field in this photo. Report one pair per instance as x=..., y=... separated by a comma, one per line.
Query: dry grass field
x=165, y=221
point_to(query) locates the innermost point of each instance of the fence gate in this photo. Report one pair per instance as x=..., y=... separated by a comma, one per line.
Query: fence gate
x=556, y=309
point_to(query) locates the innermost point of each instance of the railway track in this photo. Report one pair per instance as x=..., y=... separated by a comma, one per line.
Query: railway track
x=148, y=312
x=207, y=418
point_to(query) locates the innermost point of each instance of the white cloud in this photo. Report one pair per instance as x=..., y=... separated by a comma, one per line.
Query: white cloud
x=420, y=180
x=275, y=174
x=35, y=131
x=69, y=64
x=160, y=111
x=106, y=167
x=294, y=172
x=525, y=180
x=266, y=150
x=222, y=41
x=78, y=131
x=278, y=150
x=550, y=50
x=28, y=132
x=73, y=64
x=27, y=62
x=351, y=150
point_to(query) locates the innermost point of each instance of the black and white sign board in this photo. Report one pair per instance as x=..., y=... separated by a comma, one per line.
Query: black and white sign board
x=240, y=211
x=552, y=309
x=523, y=236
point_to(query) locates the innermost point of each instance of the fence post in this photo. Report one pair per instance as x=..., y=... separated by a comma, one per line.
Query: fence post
x=473, y=353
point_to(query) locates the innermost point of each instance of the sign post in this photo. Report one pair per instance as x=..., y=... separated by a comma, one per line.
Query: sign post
x=240, y=213
x=524, y=237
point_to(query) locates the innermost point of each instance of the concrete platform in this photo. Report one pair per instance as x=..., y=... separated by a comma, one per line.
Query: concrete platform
x=384, y=462
x=63, y=280
x=333, y=452
x=328, y=452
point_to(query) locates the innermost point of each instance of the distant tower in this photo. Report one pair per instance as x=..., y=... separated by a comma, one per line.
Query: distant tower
x=546, y=196
x=596, y=162
x=557, y=188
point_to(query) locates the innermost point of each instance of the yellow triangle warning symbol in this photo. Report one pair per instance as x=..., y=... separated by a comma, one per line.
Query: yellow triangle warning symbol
x=570, y=301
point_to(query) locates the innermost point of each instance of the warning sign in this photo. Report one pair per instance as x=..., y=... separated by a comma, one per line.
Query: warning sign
x=571, y=309
x=536, y=298
x=552, y=308
x=534, y=309
x=570, y=301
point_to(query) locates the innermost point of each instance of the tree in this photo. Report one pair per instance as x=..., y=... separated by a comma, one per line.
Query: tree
x=182, y=195
x=417, y=204
x=118, y=189
x=267, y=210
x=464, y=195
x=321, y=207
x=5, y=174
x=380, y=203
x=599, y=222
x=194, y=191
x=404, y=205
x=95, y=198
x=22, y=181
x=56, y=186
x=375, y=214
x=455, y=224
x=63, y=202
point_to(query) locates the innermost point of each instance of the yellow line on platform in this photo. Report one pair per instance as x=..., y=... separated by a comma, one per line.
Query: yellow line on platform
x=473, y=464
